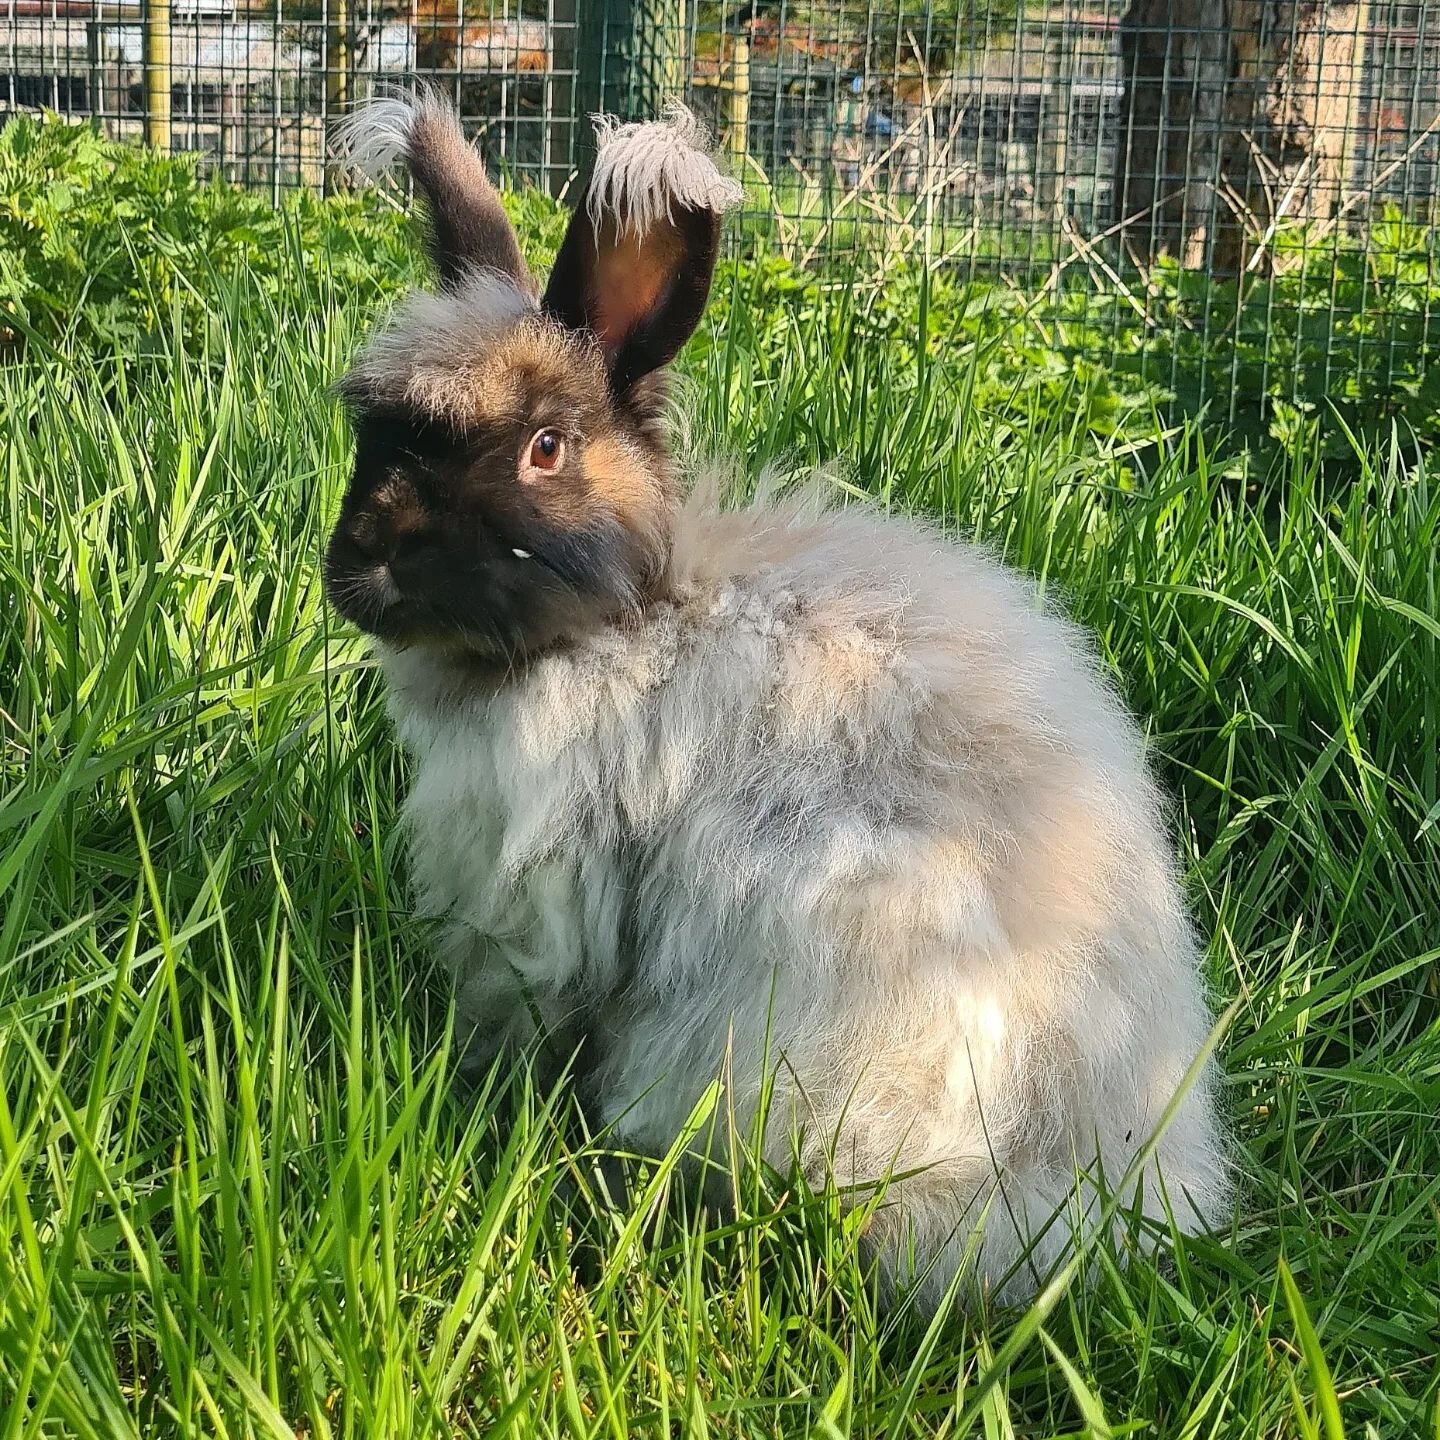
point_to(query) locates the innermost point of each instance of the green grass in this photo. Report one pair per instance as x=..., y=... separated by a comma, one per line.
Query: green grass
x=239, y=1193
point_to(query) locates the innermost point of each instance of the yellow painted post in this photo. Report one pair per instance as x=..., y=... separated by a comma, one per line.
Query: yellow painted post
x=157, y=74
x=337, y=57
x=735, y=102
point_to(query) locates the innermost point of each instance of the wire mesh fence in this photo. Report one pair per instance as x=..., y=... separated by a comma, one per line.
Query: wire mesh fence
x=1172, y=164
x=254, y=89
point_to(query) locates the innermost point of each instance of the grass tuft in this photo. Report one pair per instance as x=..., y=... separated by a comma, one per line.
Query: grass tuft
x=240, y=1193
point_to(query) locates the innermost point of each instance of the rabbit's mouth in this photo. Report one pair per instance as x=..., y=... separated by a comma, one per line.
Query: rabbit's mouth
x=366, y=595
x=506, y=608
x=371, y=599
x=375, y=604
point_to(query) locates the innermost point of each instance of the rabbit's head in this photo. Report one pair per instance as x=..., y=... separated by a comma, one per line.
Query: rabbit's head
x=512, y=486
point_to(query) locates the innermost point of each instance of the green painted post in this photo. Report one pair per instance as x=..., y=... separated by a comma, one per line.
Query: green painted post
x=658, y=42
x=631, y=58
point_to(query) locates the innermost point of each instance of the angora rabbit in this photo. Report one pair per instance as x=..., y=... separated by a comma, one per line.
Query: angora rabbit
x=819, y=790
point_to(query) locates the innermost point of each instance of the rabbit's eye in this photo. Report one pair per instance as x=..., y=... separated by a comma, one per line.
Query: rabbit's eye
x=547, y=450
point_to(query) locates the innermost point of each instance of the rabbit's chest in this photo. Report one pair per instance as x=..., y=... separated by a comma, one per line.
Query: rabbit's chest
x=488, y=824
x=521, y=831
x=672, y=796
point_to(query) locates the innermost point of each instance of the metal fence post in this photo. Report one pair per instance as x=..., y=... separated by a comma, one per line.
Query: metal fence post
x=592, y=39
x=157, y=74
x=564, y=119
x=656, y=52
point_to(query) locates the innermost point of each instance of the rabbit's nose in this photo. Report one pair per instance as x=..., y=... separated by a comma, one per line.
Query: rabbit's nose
x=366, y=540
x=414, y=561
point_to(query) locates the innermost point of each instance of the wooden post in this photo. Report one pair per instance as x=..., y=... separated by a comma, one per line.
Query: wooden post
x=1052, y=143
x=157, y=74
x=337, y=69
x=337, y=57
x=735, y=103
x=96, y=82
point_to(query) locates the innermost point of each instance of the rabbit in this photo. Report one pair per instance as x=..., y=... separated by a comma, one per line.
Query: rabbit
x=781, y=789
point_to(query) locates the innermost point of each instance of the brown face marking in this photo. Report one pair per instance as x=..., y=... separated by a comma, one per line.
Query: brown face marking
x=635, y=492
x=553, y=368
x=501, y=386
x=397, y=499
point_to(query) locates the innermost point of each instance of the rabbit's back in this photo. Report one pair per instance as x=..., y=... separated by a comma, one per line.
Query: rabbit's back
x=853, y=804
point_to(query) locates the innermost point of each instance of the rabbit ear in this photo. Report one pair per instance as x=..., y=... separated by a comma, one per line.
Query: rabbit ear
x=636, y=263
x=468, y=228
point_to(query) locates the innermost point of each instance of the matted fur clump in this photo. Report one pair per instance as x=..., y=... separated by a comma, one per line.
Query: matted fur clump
x=779, y=786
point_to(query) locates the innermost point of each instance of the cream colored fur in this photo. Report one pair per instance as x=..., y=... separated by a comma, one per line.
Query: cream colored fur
x=373, y=138
x=853, y=790
x=432, y=349
x=643, y=169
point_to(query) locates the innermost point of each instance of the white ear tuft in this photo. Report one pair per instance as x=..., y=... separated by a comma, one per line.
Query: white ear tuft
x=644, y=169
x=376, y=136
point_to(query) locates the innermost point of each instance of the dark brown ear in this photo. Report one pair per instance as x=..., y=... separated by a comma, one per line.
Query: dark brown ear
x=469, y=229
x=636, y=263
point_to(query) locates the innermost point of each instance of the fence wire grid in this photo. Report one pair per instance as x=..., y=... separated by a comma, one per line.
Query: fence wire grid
x=1171, y=157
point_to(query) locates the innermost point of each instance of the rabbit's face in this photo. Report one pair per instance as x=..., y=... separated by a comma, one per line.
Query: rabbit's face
x=511, y=486
x=506, y=513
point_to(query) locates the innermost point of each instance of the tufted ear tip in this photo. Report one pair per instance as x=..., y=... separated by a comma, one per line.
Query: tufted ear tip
x=644, y=170
x=376, y=136
x=421, y=130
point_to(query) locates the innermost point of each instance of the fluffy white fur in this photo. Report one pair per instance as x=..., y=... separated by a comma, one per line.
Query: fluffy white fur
x=374, y=137
x=855, y=791
x=644, y=169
